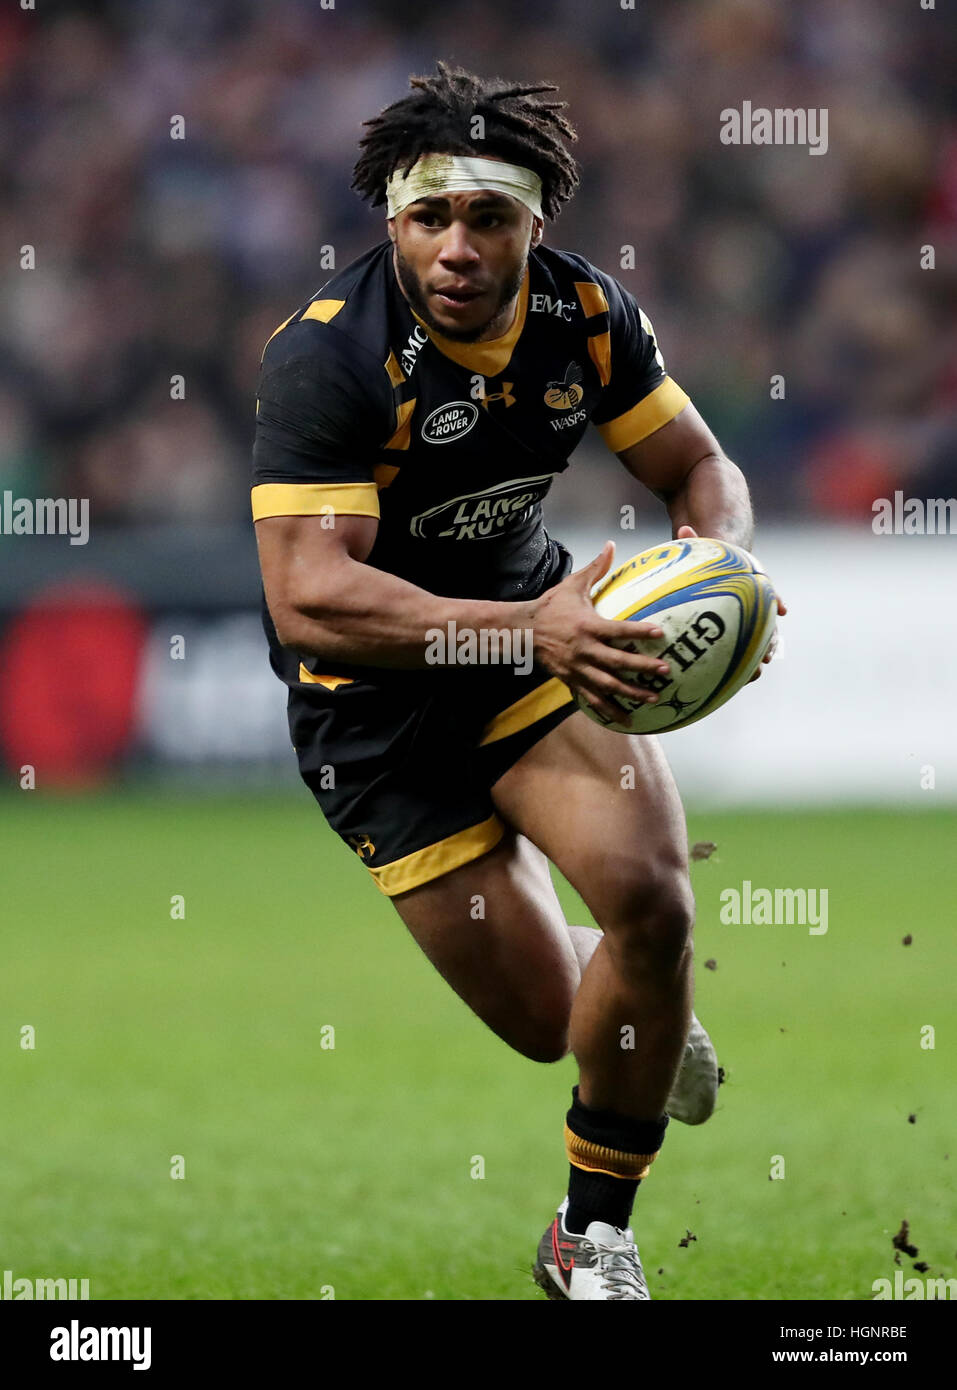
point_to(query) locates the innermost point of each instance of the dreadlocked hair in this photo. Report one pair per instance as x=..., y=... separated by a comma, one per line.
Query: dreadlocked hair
x=437, y=118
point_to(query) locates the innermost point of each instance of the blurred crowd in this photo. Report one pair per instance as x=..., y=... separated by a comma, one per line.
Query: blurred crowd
x=158, y=257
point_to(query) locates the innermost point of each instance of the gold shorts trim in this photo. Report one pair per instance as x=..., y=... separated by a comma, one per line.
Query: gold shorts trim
x=423, y=865
x=544, y=699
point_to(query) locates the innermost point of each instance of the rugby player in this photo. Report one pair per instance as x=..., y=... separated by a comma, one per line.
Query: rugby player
x=411, y=417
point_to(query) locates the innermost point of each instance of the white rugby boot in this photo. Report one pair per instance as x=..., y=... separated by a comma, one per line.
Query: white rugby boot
x=603, y=1264
x=695, y=1092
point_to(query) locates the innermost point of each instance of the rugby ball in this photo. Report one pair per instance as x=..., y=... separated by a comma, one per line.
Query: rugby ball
x=718, y=611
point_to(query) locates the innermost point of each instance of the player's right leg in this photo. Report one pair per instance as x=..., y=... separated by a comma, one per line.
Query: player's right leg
x=391, y=763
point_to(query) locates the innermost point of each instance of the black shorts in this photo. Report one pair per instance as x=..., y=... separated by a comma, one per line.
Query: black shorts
x=402, y=764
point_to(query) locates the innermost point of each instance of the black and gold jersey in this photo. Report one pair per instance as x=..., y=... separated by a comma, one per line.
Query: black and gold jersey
x=364, y=410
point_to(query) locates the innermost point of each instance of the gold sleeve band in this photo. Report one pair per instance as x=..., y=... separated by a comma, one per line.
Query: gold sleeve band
x=315, y=499
x=663, y=404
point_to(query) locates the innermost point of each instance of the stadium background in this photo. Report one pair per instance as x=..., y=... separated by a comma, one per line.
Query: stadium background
x=158, y=1035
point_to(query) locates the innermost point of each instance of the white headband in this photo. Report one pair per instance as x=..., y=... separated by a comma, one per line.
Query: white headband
x=433, y=175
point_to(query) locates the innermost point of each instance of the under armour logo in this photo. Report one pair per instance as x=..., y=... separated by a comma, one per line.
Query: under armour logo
x=361, y=843
x=504, y=395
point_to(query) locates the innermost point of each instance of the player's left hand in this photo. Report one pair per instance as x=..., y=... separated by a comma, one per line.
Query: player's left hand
x=688, y=533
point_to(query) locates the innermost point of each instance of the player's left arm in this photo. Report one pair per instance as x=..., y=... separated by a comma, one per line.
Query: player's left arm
x=645, y=418
x=705, y=493
x=648, y=421
x=684, y=465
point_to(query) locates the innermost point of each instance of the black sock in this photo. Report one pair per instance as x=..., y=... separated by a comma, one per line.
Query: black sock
x=594, y=1196
x=597, y=1197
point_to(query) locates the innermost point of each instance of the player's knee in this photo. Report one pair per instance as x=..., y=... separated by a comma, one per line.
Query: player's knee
x=545, y=1045
x=542, y=1037
x=652, y=918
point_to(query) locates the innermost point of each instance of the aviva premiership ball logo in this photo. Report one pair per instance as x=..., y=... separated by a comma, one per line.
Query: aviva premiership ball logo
x=449, y=422
x=564, y=395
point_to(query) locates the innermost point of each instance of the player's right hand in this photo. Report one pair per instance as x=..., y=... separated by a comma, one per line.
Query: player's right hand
x=573, y=642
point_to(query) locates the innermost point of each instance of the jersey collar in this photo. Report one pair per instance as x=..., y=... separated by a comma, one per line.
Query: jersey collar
x=488, y=359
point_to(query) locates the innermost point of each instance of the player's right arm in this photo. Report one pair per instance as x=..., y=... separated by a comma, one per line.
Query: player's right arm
x=321, y=420
x=325, y=601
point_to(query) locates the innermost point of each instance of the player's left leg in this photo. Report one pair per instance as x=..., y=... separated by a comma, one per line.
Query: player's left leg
x=694, y=1093
x=605, y=810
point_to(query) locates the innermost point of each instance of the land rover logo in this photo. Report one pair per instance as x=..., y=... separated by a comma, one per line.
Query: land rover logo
x=475, y=516
x=449, y=422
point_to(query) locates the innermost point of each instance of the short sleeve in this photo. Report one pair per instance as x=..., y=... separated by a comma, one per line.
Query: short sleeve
x=322, y=412
x=638, y=396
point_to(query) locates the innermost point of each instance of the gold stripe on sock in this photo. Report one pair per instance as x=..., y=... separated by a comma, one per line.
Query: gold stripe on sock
x=595, y=1158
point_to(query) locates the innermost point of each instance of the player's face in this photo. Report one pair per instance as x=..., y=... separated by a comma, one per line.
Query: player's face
x=460, y=260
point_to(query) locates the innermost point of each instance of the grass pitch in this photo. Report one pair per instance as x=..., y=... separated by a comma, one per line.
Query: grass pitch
x=313, y=1170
